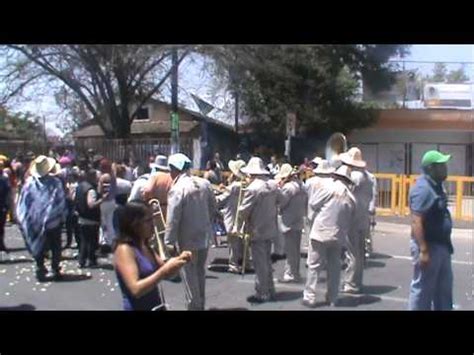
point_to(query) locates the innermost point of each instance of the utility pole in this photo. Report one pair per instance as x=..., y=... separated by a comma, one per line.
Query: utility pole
x=236, y=113
x=174, y=117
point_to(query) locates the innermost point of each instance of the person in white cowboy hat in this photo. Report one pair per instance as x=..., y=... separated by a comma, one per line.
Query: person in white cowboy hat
x=41, y=211
x=363, y=191
x=259, y=212
x=292, y=201
x=227, y=203
x=191, y=210
x=330, y=210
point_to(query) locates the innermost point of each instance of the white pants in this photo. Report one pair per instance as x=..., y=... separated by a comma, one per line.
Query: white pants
x=194, y=274
x=261, y=255
x=293, y=254
x=236, y=247
x=355, y=256
x=318, y=253
x=107, y=230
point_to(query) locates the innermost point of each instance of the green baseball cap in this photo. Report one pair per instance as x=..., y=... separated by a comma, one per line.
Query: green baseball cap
x=434, y=157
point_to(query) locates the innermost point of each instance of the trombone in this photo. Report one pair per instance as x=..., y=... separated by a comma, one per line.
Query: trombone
x=162, y=251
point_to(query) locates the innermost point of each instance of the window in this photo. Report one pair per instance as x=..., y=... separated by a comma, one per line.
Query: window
x=143, y=114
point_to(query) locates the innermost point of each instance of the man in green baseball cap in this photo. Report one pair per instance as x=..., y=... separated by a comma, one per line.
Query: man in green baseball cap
x=431, y=246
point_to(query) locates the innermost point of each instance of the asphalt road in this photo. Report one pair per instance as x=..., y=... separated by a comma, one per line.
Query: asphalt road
x=386, y=280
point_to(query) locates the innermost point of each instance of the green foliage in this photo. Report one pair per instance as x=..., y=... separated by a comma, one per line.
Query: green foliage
x=24, y=126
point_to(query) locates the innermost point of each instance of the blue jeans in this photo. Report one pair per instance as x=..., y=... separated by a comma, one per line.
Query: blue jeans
x=432, y=286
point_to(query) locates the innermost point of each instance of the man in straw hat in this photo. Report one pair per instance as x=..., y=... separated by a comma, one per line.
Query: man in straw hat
x=292, y=201
x=431, y=246
x=41, y=210
x=191, y=208
x=259, y=211
x=330, y=209
x=227, y=202
x=363, y=193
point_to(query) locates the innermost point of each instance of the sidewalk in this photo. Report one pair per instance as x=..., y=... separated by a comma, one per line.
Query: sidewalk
x=406, y=220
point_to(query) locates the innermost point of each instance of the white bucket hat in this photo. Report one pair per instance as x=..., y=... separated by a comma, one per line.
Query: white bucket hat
x=353, y=157
x=255, y=167
x=161, y=163
x=179, y=161
x=235, y=166
x=317, y=160
x=345, y=172
x=44, y=165
x=285, y=171
x=324, y=168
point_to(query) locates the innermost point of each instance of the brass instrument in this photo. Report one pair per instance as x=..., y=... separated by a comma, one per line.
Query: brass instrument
x=335, y=145
x=163, y=252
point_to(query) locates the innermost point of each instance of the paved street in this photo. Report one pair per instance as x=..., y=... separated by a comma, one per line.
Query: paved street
x=386, y=280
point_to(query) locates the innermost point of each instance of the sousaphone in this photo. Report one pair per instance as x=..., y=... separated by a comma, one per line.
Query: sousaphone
x=335, y=145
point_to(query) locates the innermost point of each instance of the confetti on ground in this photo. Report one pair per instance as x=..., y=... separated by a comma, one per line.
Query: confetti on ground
x=43, y=290
x=101, y=280
x=103, y=295
x=4, y=271
x=11, y=284
x=112, y=289
x=28, y=279
x=34, y=288
x=7, y=293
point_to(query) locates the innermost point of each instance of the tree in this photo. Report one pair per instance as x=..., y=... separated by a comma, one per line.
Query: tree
x=440, y=72
x=457, y=76
x=21, y=125
x=101, y=81
x=317, y=82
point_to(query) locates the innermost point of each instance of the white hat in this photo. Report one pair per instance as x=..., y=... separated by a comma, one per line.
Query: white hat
x=317, y=160
x=255, y=167
x=44, y=165
x=235, y=166
x=161, y=163
x=324, y=168
x=285, y=171
x=353, y=157
x=345, y=172
x=179, y=161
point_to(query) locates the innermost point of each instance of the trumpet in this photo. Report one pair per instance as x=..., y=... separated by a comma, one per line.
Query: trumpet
x=162, y=251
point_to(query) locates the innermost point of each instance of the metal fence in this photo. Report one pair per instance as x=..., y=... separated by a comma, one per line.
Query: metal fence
x=136, y=149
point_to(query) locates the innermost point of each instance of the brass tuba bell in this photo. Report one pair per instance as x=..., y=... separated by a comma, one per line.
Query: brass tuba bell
x=336, y=145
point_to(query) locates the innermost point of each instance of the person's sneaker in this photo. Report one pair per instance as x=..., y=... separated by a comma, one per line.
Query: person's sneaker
x=234, y=269
x=350, y=290
x=309, y=304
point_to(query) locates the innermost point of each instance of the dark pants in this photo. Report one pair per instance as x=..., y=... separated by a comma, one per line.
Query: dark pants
x=3, y=217
x=53, y=243
x=89, y=241
x=72, y=227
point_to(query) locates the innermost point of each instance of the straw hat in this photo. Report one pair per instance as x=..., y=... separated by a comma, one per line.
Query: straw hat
x=161, y=163
x=44, y=165
x=235, y=166
x=285, y=171
x=179, y=161
x=255, y=166
x=353, y=157
x=345, y=172
x=324, y=168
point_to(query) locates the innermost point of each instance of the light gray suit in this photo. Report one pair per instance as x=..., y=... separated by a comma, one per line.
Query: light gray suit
x=191, y=207
x=292, y=202
x=259, y=211
x=330, y=212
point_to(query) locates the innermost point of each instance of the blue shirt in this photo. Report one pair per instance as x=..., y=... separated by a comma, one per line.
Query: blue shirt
x=428, y=199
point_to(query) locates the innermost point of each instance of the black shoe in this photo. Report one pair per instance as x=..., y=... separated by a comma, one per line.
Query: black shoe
x=93, y=265
x=257, y=299
x=41, y=276
x=277, y=257
x=82, y=265
x=57, y=276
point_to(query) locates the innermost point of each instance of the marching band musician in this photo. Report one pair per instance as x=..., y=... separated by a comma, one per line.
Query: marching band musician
x=363, y=192
x=259, y=212
x=292, y=201
x=330, y=209
x=227, y=202
x=191, y=208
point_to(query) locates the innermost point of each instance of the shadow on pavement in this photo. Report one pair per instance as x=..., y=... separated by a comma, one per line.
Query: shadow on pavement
x=15, y=261
x=354, y=301
x=371, y=263
x=21, y=307
x=104, y=267
x=285, y=296
x=229, y=309
x=73, y=278
x=211, y=277
x=14, y=250
x=378, y=290
x=380, y=256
